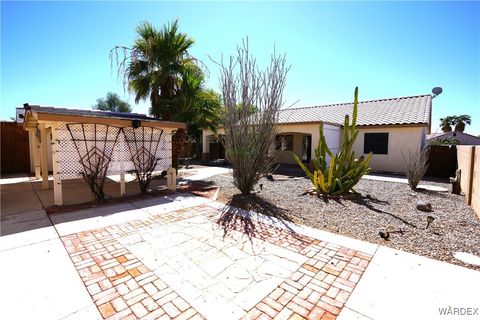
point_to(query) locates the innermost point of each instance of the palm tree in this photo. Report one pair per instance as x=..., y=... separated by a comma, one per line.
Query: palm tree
x=460, y=121
x=446, y=123
x=158, y=67
x=152, y=68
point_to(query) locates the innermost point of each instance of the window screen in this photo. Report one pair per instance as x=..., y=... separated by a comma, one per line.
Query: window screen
x=377, y=143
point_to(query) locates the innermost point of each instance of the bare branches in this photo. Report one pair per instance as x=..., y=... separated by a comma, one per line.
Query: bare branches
x=416, y=164
x=252, y=101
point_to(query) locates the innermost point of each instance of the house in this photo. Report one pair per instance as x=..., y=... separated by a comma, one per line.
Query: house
x=462, y=138
x=387, y=127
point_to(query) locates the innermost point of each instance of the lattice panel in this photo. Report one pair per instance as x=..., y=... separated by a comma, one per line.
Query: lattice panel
x=144, y=144
x=70, y=164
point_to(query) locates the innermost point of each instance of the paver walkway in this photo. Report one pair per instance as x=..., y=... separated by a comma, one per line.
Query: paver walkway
x=202, y=262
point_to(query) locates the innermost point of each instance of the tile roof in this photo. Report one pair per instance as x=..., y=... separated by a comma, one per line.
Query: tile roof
x=393, y=111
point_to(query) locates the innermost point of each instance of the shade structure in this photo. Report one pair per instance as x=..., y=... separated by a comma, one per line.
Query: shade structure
x=94, y=144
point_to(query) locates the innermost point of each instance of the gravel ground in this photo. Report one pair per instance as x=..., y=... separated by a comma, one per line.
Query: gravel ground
x=381, y=205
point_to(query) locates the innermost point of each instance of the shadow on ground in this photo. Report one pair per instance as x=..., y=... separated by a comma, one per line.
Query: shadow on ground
x=371, y=203
x=233, y=218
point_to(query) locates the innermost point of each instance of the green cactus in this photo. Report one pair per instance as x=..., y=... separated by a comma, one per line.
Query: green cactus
x=344, y=170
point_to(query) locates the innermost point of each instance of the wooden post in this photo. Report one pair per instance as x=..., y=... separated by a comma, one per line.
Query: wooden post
x=36, y=153
x=122, y=183
x=44, y=160
x=57, y=181
x=171, y=179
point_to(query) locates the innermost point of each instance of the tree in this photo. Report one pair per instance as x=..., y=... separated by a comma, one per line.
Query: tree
x=446, y=123
x=443, y=142
x=199, y=107
x=153, y=67
x=460, y=121
x=249, y=137
x=158, y=67
x=112, y=102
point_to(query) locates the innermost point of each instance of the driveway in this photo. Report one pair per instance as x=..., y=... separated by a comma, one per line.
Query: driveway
x=186, y=257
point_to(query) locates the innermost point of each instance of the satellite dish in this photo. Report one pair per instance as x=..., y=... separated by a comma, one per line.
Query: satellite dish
x=437, y=90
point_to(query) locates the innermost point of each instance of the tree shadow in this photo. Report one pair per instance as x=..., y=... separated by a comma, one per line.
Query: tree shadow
x=369, y=202
x=241, y=214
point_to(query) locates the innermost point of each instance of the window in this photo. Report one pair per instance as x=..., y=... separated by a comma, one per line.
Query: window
x=377, y=143
x=285, y=142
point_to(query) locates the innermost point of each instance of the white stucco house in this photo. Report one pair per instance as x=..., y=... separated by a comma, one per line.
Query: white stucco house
x=387, y=128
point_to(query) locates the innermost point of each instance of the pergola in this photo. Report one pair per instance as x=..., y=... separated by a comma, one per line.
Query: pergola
x=85, y=143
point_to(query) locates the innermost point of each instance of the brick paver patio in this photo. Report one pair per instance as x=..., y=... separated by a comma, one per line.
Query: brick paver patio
x=202, y=262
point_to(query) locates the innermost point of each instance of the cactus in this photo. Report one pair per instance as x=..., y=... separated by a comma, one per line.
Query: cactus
x=344, y=171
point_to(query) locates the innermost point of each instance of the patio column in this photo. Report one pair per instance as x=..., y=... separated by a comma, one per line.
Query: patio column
x=44, y=160
x=57, y=181
x=36, y=153
x=122, y=183
x=205, y=145
x=171, y=178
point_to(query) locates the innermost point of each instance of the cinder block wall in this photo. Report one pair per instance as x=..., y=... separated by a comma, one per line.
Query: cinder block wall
x=469, y=162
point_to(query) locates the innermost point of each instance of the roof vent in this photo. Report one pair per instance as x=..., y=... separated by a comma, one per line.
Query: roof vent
x=436, y=91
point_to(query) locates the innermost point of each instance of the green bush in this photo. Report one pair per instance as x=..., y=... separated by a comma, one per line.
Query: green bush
x=344, y=170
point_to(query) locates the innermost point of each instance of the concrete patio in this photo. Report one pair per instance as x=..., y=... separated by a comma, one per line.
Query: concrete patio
x=188, y=257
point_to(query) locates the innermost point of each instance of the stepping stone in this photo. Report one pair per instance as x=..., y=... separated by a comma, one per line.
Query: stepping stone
x=432, y=188
x=467, y=258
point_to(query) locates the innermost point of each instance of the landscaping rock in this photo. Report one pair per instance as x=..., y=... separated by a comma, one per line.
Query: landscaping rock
x=424, y=206
x=389, y=207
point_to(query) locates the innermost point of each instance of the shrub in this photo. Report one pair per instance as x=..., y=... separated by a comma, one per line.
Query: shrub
x=344, y=170
x=252, y=101
x=416, y=164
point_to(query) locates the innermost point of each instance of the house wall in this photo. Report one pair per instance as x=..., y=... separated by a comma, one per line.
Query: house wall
x=469, y=162
x=332, y=137
x=400, y=139
x=331, y=132
x=285, y=156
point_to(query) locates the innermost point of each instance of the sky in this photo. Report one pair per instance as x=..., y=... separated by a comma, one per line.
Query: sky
x=57, y=53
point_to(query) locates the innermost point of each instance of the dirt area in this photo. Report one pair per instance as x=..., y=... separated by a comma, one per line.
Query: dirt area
x=380, y=206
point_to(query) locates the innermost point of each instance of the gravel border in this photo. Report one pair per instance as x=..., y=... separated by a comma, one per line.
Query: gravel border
x=381, y=205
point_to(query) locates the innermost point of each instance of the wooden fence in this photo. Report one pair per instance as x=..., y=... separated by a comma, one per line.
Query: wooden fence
x=442, y=161
x=15, y=148
x=469, y=163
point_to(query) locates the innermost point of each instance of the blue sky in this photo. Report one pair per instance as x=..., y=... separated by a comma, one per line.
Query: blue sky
x=57, y=53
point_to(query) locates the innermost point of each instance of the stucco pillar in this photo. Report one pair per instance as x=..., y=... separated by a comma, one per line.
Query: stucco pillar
x=36, y=153
x=44, y=157
x=57, y=181
x=171, y=179
x=205, y=146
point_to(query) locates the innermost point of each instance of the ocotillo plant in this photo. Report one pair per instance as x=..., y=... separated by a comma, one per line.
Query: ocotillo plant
x=344, y=170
